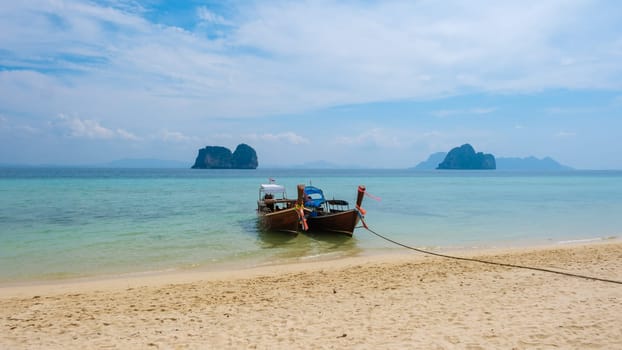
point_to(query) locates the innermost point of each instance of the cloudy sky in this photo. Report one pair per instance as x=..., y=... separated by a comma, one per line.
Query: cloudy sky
x=368, y=83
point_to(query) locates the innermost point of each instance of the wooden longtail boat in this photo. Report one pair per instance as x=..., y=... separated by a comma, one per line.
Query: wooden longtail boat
x=332, y=215
x=276, y=212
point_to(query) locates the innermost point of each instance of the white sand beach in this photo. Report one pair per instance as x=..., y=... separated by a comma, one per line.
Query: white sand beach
x=389, y=302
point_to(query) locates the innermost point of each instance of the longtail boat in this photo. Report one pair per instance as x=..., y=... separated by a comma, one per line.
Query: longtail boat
x=276, y=212
x=332, y=215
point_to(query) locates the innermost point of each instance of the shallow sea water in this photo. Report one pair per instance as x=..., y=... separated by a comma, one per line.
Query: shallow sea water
x=67, y=223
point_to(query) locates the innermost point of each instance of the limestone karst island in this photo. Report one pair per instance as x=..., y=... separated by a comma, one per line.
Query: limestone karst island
x=218, y=157
x=464, y=157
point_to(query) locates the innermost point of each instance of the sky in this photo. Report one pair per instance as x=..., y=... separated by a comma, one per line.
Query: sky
x=378, y=84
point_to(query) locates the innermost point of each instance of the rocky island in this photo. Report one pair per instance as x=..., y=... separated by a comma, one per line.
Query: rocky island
x=218, y=157
x=502, y=163
x=465, y=158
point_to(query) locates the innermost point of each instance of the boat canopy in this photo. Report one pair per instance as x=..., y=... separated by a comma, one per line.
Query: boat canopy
x=272, y=188
x=314, y=197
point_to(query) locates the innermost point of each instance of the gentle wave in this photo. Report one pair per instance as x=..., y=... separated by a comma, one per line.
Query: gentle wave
x=584, y=240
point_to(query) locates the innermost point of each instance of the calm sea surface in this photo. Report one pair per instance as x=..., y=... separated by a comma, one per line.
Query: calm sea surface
x=66, y=223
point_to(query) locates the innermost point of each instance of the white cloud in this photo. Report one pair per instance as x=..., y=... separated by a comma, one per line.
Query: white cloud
x=86, y=128
x=107, y=60
x=565, y=134
x=175, y=136
x=13, y=126
x=288, y=137
x=286, y=57
x=206, y=15
x=126, y=135
x=90, y=129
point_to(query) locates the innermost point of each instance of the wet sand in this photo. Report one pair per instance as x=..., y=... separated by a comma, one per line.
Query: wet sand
x=391, y=301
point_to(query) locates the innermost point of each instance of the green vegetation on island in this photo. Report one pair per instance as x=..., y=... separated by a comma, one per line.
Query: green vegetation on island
x=465, y=158
x=218, y=157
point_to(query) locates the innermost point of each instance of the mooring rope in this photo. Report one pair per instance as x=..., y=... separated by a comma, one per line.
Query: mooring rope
x=486, y=261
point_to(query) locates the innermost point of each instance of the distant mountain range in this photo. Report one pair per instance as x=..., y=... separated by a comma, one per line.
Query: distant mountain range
x=145, y=163
x=509, y=163
x=530, y=163
x=120, y=163
x=518, y=164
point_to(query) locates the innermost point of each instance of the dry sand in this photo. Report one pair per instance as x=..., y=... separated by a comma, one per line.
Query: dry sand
x=390, y=302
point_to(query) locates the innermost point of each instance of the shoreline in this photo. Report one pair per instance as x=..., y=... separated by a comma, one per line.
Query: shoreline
x=244, y=270
x=397, y=301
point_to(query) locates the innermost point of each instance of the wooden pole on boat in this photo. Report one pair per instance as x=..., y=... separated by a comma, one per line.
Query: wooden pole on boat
x=359, y=200
x=301, y=195
x=359, y=196
x=300, y=207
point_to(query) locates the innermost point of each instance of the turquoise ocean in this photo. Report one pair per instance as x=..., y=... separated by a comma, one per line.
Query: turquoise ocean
x=59, y=223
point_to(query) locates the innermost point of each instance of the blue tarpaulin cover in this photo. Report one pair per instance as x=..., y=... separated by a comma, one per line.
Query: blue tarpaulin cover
x=314, y=197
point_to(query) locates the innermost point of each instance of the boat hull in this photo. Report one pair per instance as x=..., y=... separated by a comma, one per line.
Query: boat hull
x=286, y=220
x=343, y=222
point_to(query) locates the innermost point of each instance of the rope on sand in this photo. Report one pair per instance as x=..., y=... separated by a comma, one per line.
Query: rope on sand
x=489, y=262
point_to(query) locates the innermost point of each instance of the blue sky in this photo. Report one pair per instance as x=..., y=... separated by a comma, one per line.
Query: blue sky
x=368, y=83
